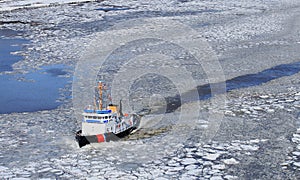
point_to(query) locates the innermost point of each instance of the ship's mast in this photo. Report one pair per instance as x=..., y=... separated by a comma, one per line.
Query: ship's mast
x=95, y=103
x=100, y=88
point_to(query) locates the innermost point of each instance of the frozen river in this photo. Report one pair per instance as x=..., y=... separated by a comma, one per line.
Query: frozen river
x=240, y=58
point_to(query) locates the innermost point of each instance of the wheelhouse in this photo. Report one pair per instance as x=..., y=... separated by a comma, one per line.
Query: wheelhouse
x=98, y=116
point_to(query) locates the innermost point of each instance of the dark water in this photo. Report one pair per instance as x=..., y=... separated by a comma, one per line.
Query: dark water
x=264, y=76
x=256, y=79
x=37, y=90
x=114, y=8
x=239, y=82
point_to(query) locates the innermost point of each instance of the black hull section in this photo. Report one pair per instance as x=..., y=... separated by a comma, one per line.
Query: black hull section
x=106, y=137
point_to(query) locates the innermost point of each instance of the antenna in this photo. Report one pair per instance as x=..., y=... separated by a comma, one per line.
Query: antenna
x=120, y=108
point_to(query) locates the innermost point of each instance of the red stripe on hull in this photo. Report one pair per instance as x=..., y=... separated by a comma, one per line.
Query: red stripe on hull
x=100, y=138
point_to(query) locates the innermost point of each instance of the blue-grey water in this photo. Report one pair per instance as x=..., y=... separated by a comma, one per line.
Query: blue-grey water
x=9, y=44
x=34, y=91
x=39, y=91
